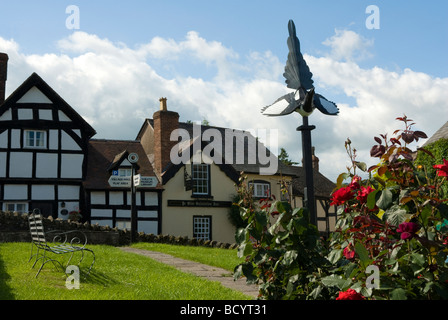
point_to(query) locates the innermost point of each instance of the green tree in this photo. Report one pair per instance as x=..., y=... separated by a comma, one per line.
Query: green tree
x=284, y=157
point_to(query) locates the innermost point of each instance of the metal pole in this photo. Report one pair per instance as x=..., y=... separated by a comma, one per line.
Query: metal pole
x=310, y=201
x=133, y=208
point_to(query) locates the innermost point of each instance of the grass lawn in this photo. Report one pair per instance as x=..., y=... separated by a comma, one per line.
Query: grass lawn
x=221, y=258
x=116, y=275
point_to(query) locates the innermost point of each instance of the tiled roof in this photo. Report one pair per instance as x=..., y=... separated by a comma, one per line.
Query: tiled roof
x=323, y=187
x=102, y=153
x=442, y=133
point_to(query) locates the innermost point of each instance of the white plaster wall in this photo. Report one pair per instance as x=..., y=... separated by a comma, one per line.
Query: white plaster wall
x=15, y=138
x=25, y=114
x=67, y=143
x=6, y=116
x=151, y=199
x=71, y=166
x=68, y=192
x=97, y=197
x=116, y=198
x=42, y=192
x=15, y=192
x=46, y=165
x=53, y=140
x=34, y=95
x=101, y=213
x=45, y=114
x=4, y=139
x=148, y=227
x=2, y=164
x=21, y=164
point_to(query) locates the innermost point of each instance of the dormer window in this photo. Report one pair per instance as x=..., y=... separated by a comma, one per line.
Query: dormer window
x=261, y=189
x=35, y=139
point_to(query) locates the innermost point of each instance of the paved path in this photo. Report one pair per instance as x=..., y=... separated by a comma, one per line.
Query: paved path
x=209, y=272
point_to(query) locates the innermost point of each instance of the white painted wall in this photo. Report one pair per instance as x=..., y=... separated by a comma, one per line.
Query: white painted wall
x=2, y=164
x=46, y=165
x=71, y=166
x=15, y=192
x=21, y=164
x=34, y=95
x=97, y=197
x=67, y=143
x=42, y=192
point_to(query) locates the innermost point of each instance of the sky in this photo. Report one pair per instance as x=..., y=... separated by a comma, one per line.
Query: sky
x=222, y=61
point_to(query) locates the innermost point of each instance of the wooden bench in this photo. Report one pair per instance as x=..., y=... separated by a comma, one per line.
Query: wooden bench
x=63, y=242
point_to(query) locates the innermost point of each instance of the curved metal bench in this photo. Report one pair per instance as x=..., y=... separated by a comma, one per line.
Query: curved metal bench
x=63, y=242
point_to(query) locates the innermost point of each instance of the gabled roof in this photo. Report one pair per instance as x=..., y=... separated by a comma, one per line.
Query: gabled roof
x=36, y=81
x=323, y=187
x=105, y=155
x=232, y=170
x=442, y=133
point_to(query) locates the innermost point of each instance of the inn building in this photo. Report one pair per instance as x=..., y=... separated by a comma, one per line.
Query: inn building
x=49, y=159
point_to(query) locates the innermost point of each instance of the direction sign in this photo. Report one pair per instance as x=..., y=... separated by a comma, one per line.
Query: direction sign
x=137, y=180
x=125, y=182
x=149, y=182
x=119, y=182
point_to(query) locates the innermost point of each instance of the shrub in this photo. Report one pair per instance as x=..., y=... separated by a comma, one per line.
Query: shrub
x=391, y=240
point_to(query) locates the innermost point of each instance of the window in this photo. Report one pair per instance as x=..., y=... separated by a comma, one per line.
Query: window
x=261, y=189
x=202, y=227
x=125, y=172
x=201, y=177
x=35, y=139
x=21, y=207
x=122, y=225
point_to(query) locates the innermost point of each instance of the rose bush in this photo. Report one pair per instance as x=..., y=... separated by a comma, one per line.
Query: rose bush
x=396, y=219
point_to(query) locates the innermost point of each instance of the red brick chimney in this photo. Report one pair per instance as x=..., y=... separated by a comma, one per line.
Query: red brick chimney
x=3, y=75
x=164, y=123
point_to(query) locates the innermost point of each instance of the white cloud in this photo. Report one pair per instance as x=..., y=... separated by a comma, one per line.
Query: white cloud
x=115, y=87
x=348, y=45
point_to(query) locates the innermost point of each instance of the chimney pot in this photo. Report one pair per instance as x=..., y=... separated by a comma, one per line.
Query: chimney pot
x=3, y=75
x=163, y=104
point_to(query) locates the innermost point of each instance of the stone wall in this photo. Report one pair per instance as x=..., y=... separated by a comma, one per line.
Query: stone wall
x=14, y=228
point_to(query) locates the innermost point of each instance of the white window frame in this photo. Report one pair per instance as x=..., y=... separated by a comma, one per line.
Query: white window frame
x=200, y=179
x=6, y=206
x=202, y=227
x=35, y=142
x=123, y=224
x=261, y=189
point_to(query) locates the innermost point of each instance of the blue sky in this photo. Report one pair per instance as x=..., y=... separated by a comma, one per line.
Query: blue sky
x=223, y=60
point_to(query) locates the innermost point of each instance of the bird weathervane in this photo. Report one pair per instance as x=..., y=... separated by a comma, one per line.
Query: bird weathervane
x=299, y=77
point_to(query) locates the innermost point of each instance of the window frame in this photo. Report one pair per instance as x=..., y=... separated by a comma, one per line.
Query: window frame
x=206, y=230
x=34, y=139
x=15, y=204
x=205, y=181
x=254, y=184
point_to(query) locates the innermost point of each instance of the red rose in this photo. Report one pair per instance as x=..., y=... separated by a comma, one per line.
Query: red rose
x=407, y=230
x=350, y=294
x=342, y=195
x=349, y=254
x=355, y=183
x=442, y=169
x=363, y=193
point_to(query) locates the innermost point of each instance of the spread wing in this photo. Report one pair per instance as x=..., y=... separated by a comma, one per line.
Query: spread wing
x=297, y=73
x=282, y=106
x=325, y=106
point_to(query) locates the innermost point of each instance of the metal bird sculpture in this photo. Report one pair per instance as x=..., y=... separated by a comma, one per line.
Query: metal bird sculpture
x=298, y=77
